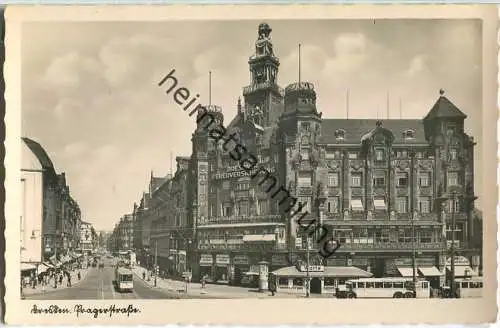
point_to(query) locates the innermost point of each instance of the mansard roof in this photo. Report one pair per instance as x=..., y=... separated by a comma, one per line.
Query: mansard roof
x=444, y=108
x=355, y=129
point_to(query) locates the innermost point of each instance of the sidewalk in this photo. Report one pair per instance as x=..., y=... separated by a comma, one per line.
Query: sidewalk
x=210, y=290
x=39, y=289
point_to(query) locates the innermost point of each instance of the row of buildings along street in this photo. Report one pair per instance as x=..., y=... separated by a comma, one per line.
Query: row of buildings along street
x=52, y=232
x=397, y=194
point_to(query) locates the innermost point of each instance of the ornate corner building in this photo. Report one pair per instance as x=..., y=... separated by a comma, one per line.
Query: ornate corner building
x=372, y=183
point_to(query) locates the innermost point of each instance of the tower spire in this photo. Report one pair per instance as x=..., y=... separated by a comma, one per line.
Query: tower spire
x=209, y=88
x=387, y=104
x=299, y=64
x=347, y=102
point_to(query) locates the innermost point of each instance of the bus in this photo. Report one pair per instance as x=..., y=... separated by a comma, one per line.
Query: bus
x=397, y=287
x=124, y=279
x=469, y=287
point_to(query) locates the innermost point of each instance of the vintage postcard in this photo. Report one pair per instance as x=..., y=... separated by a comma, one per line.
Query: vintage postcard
x=318, y=164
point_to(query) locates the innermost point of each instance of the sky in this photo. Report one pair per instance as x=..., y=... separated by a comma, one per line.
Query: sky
x=90, y=91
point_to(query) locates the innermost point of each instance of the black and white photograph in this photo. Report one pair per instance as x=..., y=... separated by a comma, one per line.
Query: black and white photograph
x=340, y=160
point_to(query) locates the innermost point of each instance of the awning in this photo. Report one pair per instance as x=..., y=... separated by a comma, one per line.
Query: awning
x=379, y=204
x=463, y=271
x=329, y=271
x=405, y=271
x=44, y=267
x=430, y=271
x=267, y=237
x=357, y=205
x=27, y=267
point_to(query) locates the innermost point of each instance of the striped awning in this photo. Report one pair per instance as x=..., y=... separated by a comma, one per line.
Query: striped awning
x=430, y=271
x=357, y=205
x=405, y=271
x=379, y=204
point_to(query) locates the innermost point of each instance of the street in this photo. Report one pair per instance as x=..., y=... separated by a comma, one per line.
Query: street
x=98, y=284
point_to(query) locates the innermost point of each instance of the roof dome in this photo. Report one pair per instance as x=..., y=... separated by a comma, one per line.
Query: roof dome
x=300, y=97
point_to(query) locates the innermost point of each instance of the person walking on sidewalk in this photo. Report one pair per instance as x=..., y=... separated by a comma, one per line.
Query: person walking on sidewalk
x=79, y=275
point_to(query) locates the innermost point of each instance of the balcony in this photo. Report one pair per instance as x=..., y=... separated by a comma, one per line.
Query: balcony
x=242, y=219
x=264, y=247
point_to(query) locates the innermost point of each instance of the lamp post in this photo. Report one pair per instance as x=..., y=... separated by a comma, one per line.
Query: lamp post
x=308, y=277
x=156, y=260
x=452, y=248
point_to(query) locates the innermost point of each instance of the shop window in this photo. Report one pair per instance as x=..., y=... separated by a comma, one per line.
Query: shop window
x=283, y=282
x=298, y=282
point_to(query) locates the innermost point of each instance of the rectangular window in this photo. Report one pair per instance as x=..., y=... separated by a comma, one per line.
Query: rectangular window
x=451, y=203
x=305, y=180
x=353, y=155
x=305, y=203
x=262, y=207
x=425, y=236
x=357, y=205
x=452, y=178
x=402, y=180
x=379, y=154
x=227, y=209
x=356, y=179
x=424, y=204
x=379, y=179
x=404, y=236
x=243, y=208
x=453, y=153
x=333, y=179
x=225, y=185
x=213, y=210
x=333, y=205
x=304, y=153
x=424, y=179
x=402, y=204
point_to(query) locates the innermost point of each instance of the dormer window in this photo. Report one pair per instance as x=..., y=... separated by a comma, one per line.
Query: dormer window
x=340, y=134
x=409, y=134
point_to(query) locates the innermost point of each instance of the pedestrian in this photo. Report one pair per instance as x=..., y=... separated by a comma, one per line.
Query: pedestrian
x=203, y=281
x=143, y=275
x=60, y=279
x=69, y=280
x=79, y=275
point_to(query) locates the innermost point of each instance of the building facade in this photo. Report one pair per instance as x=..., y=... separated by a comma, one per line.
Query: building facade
x=170, y=236
x=58, y=230
x=381, y=188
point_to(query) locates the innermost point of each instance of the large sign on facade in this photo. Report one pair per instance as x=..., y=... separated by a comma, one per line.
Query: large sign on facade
x=222, y=259
x=241, y=260
x=459, y=260
x=206, y=260
x=238, y=172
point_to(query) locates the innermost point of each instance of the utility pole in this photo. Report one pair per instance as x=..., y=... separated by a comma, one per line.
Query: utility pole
x=156, y=260
x=412, y=209
x=308, y=279
x=452, y=249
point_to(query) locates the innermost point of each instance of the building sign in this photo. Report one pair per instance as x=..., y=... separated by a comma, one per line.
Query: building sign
x=222, y=259
x=238, y=172
x=360, y=262
x=312, y=268
x=459, y=260
x=206, y=260
x=240, y=260
x=336, y=262
x=279, y=260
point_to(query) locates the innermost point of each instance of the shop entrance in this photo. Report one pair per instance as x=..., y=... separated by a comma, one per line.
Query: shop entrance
x=379, y=268
x=220, y=273
x=206, y=271
x=239, y=273
x=315, y=285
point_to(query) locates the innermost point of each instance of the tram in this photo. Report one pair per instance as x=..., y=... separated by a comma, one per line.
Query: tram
x=124, y=279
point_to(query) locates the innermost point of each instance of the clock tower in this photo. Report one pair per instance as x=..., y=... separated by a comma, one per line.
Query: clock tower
x=263, y=96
